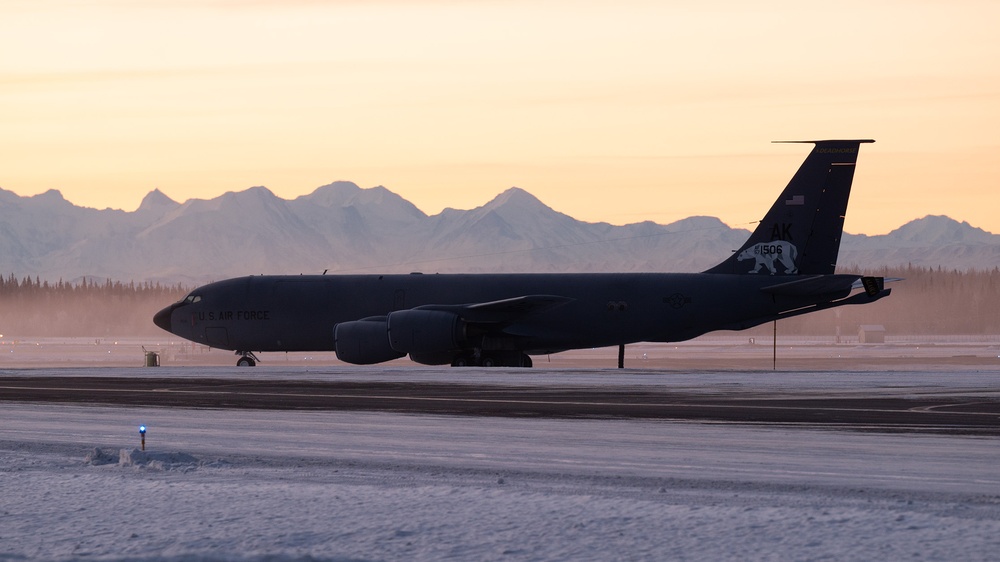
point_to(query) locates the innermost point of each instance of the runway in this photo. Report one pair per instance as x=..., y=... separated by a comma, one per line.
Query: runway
x=968, y=411
x=395, y=462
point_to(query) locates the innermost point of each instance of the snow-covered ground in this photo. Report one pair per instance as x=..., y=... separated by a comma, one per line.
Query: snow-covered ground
x=271, y=485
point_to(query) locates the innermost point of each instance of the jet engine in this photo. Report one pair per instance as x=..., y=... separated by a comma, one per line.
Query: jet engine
x=425, y=331
x=364, y=342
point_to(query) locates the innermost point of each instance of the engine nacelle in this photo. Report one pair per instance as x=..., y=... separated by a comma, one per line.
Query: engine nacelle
x=437, y=358
x=364, y=342
x=425, y=331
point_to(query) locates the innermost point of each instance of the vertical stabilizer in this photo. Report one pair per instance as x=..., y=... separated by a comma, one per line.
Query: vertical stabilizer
x=801, y=233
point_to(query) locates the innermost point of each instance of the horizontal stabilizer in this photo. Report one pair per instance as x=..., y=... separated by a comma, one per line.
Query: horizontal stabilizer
x=817, y=285
x=856, y=298
x=828, y=284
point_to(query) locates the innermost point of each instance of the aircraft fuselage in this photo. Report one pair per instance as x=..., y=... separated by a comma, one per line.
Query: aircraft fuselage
x=299, y=313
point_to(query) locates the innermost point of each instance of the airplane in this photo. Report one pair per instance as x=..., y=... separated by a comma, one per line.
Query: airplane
x=784, y=269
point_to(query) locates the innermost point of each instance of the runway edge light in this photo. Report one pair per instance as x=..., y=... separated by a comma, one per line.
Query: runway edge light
x=142, y=436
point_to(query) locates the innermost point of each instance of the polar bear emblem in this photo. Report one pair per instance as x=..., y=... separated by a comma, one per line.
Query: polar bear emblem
x=766, y=253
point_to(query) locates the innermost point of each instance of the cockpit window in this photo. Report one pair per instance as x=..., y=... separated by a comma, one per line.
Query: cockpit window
x=192, y=298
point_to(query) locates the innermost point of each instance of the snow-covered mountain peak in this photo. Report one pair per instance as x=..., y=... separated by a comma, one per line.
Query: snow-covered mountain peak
x=940, y=230
x=517, y=199
x=157, y=201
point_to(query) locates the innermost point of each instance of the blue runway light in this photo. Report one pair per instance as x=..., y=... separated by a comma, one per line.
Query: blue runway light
x=142, y=429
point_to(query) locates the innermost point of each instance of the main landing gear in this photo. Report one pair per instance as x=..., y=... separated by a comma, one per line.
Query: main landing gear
x=508, y=359
x=247, y=359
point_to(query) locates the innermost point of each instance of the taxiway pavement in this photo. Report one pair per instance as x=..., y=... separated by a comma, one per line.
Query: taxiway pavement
x=970, y=409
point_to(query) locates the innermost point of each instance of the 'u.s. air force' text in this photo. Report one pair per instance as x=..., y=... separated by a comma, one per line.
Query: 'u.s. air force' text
x=235, y=315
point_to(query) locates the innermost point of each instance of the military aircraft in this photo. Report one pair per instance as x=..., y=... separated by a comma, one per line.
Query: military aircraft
x=785, y=268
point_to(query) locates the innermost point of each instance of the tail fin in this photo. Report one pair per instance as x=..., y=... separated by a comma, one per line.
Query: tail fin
x=801, y=233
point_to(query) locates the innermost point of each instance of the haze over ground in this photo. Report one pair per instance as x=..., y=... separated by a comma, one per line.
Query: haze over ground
x=618, y=112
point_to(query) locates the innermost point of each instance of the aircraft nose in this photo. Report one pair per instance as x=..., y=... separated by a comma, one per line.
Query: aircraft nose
x=162, y=318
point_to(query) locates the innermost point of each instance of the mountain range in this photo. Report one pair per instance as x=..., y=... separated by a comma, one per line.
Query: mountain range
x=342, y=228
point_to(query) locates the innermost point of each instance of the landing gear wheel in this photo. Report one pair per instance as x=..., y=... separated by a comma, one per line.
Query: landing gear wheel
x=247, y=359
x=488, y=362
x=460, y=362
x=526, y=361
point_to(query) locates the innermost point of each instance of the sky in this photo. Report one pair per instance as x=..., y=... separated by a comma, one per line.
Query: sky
x=608, y=111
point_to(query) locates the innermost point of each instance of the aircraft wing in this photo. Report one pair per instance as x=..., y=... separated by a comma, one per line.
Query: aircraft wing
x=434, y=333
x=501, y=311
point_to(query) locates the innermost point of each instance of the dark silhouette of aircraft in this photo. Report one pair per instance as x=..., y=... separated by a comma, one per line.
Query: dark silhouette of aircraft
x=785, y=268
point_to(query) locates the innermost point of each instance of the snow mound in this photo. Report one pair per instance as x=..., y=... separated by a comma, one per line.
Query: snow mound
x=142, y=459
x=157, y=461
x=99, y=457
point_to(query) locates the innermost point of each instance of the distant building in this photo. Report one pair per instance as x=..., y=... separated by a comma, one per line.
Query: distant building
x=871, y=333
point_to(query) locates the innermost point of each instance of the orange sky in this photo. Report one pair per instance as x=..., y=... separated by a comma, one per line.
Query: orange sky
x=608, y=111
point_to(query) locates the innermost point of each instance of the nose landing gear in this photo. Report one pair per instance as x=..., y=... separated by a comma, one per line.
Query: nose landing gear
x=247, y=359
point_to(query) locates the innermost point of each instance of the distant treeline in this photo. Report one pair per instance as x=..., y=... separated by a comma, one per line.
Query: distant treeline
x=926, y=302
x=36, y=308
